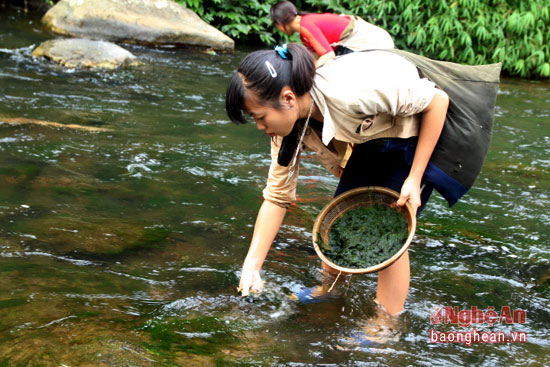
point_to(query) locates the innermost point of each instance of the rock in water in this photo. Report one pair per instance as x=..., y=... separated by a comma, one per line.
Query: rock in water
x=84, y=53
x=156, y=22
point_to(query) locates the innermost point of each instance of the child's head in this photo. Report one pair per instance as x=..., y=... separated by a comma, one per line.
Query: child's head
x=283, y=12
x=264, y=76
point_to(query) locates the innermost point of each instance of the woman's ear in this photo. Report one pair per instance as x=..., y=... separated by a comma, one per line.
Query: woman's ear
x=288, y=97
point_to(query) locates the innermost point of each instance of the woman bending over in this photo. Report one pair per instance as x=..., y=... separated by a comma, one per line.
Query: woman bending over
x=327, y=35
x=374, y=100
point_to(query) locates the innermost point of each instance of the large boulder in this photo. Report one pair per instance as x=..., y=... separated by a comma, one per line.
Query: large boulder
x=157, y=22
x=84, y=53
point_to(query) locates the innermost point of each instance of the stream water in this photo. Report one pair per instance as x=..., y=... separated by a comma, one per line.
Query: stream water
x=123, y=247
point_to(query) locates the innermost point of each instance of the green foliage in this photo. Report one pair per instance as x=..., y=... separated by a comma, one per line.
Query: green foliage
x=246, y=21
x=514, y=32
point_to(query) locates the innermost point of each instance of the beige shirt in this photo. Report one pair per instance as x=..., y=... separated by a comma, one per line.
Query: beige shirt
x=360, y=35
x=383, y=100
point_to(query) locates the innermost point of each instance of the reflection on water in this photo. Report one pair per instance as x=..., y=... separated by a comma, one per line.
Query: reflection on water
x=124, y=247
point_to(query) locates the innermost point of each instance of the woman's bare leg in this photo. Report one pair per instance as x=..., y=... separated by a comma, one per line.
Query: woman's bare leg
x=393, y=285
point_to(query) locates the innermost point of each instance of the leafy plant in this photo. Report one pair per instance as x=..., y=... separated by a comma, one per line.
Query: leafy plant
x=245, y=21
x=514, y=32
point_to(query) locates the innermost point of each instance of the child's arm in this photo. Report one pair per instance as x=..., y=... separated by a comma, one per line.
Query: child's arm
x=322, y=59
x=315, y=37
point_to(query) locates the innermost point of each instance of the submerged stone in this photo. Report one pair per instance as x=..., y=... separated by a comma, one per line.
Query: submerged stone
x=84, y=53
x=157, y=22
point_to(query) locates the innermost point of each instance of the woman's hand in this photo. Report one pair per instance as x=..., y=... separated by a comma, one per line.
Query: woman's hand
x=410, y=192
x=250, y=281
x=267, y=225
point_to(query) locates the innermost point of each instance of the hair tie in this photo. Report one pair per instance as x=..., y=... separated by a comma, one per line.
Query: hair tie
x=282, y=51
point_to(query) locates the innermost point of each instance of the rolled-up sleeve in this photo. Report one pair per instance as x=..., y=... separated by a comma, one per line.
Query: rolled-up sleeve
x=277, y=190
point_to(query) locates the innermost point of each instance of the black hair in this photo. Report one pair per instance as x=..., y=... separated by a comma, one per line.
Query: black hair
x=255, y=75
x=283, y=12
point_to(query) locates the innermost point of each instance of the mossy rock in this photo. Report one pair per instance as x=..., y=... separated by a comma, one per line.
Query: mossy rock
x=84, y=53
x=155, y=22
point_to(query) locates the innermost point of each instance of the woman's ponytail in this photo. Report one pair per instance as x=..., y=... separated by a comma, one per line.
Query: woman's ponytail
x=303, y=69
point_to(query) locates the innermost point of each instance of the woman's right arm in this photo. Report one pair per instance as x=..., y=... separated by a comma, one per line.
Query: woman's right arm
x=269, y=220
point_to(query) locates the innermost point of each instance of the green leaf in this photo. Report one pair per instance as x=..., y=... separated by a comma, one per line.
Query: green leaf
x=544, y=70
x=528, y=20
x=518, y=65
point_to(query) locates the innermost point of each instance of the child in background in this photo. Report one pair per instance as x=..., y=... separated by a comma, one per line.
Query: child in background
x=327, y=35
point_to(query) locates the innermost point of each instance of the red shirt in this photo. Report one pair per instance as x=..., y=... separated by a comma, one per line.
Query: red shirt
x=319, y=31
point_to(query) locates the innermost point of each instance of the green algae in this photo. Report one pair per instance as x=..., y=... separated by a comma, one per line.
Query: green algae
x=14, y=302
x=366, y=236
x=200, y=336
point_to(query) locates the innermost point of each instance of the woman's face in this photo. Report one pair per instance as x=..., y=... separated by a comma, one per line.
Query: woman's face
x=273, y=121
x=285, y=28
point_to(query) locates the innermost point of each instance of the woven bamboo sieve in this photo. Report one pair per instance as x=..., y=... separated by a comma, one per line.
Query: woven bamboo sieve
x=362, y=196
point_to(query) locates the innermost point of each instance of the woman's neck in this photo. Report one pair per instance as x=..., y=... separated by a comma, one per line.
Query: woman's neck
x=304, y=103
x=295, y=23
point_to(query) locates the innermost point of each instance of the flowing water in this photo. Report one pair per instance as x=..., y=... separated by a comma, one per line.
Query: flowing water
x=123, y=247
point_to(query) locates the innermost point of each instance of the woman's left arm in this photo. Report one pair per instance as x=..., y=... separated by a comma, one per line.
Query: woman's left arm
x=433, y=118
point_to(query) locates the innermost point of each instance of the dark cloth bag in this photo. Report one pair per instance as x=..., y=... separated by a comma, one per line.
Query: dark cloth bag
x=466, y=136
